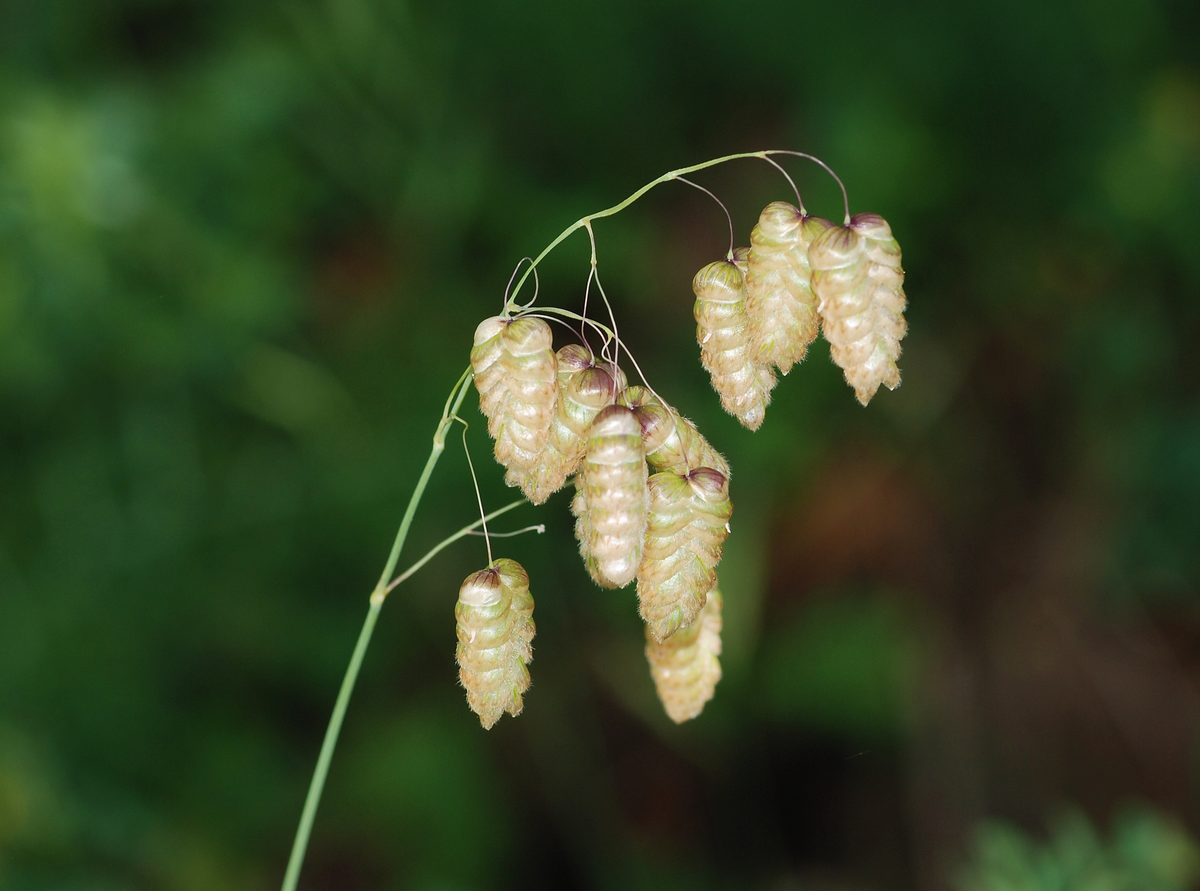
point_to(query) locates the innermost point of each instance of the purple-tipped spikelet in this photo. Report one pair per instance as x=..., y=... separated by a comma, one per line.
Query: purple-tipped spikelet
x=687, y=667
x=585, y=386
x=516, y=375
x=741, y=259
x=860, y=284
x=672, y=442
x=611, y=499
x=494, y=623
x=688, y=525
x=743, y=384
x=780, y=304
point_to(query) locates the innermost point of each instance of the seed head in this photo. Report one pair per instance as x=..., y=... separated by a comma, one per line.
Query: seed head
x=780, y=304
x=494, y=623
x=860, y=284
x=611, y=501
x=687, y=528
x=687, y=667
x=515, y=373
x=743, y=384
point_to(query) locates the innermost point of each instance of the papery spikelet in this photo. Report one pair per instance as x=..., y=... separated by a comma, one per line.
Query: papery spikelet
x=780, y=305
x=515, y=373
x=743, y=384
x=611, y=501
x=860, y=284
x=687, y=667
x=672, y=442
x=585, y=385
x=494, y=622
x=688, y=525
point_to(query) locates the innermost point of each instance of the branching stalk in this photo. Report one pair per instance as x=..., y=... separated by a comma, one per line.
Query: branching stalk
x=449, y=413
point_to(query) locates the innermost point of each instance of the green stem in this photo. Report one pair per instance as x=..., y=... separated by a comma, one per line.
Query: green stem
x=300, y=844
x=439, y=446
x=617, y=208
x=464, y=531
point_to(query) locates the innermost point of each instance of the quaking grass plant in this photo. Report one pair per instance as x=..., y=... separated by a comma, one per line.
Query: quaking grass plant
x=651, y=499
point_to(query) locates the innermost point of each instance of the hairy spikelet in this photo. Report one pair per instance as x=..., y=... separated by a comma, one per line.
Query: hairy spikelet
x=687, y=667
x=743, y=384
x=516, y=375
x=610, y=504
x=688, y=525
x=494, y=622
x=585, y=385
x=780, y=305
x=860, y=284
x=672, y=442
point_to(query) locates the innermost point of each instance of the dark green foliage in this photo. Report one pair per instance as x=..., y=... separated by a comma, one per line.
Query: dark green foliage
x=243, y=247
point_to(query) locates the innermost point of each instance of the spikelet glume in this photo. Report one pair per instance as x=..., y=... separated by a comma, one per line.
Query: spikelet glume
x=687, y=666
x=516, y=374
x=687, y=528
x=611, y=502
x=780, y=305
x=859, y=282
x=743, y=384
x=494, y=624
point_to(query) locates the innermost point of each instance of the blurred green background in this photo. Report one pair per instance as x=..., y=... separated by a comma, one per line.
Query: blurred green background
x=243, y=248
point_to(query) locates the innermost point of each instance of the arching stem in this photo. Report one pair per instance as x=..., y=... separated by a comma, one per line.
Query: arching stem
x=317, y=785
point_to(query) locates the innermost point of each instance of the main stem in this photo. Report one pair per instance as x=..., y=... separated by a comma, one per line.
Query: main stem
x=304, y=830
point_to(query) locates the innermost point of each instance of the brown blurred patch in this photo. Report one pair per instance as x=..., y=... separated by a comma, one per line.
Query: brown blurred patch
x=865, y=520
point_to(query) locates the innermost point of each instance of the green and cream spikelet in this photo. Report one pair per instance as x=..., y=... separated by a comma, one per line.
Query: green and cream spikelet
x=585, y=385
x=688, y=525
x=494, y=619
x=672, y=442
x=611, y=498
x=859, y=282
x=743, y=384
x=780, y=304
x=687, y=666
x=516, y=375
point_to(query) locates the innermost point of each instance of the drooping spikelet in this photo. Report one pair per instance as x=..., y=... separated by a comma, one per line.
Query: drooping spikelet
x=672, y=442
x=611, y=499
x=743, y=384
x=860, y=284
x=515, y=373
x=585, y=385
x=687, y=667
x=688, y=525
x=494, y=622
x=780, y=305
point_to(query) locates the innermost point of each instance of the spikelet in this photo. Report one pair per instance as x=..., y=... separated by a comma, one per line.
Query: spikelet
x=688, y=525
x=686, y=668
x=780, y=305
x=743, y=384
x=494, y=622
x=585, y=385
x=672, y=442
x=860, y=284
x=611, y=499
x=515, y=373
